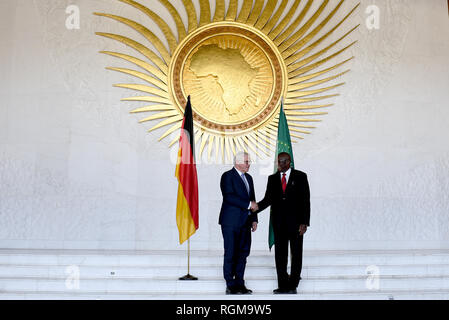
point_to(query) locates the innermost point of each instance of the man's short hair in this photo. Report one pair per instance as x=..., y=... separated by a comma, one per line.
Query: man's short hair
x=240, y=157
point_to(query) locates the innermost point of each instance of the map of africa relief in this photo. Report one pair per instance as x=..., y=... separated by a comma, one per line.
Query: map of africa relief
x=229, y=78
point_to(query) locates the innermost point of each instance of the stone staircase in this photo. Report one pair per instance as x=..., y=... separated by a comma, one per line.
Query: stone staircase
x=119, y=274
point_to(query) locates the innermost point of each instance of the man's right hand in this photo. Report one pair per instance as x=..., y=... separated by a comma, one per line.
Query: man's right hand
x=254, y=206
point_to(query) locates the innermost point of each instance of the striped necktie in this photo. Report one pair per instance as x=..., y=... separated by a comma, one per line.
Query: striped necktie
x=246, y=182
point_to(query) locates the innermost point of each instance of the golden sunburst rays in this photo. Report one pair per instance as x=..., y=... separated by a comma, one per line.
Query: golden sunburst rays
x=289, y=51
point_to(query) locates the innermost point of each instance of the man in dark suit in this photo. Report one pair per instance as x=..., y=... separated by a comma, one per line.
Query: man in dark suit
x=237, y=221
x=289, y=197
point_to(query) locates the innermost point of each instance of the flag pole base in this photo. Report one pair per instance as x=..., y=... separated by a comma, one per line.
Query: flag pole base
x=188, y=277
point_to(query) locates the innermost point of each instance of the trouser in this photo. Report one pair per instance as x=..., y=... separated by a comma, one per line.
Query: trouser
x=237, y=245
x=282, y=239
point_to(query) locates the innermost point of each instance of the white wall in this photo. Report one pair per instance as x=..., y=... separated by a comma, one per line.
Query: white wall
x=78, y=171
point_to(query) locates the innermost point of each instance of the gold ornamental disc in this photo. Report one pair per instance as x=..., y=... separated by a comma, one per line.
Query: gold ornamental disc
x=234, y=77
x=238, y=64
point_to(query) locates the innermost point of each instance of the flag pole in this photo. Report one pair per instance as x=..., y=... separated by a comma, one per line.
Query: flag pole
x=188, y=276
x=188, y=210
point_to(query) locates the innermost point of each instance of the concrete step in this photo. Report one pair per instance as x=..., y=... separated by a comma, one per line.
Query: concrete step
x=50, y=271
x=379, y=295
x=216, y=285
x=47, y=274
x=179, y=258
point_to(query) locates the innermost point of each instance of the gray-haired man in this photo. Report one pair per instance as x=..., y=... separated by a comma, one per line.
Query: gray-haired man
x=237, y=221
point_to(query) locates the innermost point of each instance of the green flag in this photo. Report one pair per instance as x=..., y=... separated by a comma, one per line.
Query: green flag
x=283, y=144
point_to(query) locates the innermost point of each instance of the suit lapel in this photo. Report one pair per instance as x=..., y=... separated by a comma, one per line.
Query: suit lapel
x=242, y=184
x=290, y=180
x=279, y=182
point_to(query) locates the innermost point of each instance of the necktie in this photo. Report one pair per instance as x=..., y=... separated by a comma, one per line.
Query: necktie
x=246, y=182
x=284, y=182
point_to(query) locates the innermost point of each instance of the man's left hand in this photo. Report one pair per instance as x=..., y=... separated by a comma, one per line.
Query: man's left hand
x=254, y=228
x=302, y=229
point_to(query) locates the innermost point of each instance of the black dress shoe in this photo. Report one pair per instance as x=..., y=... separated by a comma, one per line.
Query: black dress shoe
x=280, y=291
x=232, y=290
x=245, y=290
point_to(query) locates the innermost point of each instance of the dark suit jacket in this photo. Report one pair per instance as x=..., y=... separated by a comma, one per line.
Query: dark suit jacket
x=234, y=209
x=291, y=209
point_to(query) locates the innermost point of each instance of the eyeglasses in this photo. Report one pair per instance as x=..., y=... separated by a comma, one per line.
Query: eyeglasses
x=283, y=160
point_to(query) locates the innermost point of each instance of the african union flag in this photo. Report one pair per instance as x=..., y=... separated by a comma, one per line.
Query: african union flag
x=284, y=144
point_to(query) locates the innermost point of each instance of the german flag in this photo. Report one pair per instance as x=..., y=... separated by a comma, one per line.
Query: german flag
x=187, y=203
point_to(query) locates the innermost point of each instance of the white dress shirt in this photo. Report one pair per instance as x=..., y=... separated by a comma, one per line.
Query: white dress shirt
x=287, y=174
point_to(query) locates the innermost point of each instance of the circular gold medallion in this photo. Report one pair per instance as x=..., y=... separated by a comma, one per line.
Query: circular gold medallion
x=234, y=77
x=237, y=64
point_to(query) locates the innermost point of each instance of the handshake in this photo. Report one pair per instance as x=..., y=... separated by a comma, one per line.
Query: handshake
x=254, y=207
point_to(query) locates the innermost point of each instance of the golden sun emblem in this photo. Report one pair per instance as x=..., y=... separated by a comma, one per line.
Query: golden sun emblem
x=237, y=67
